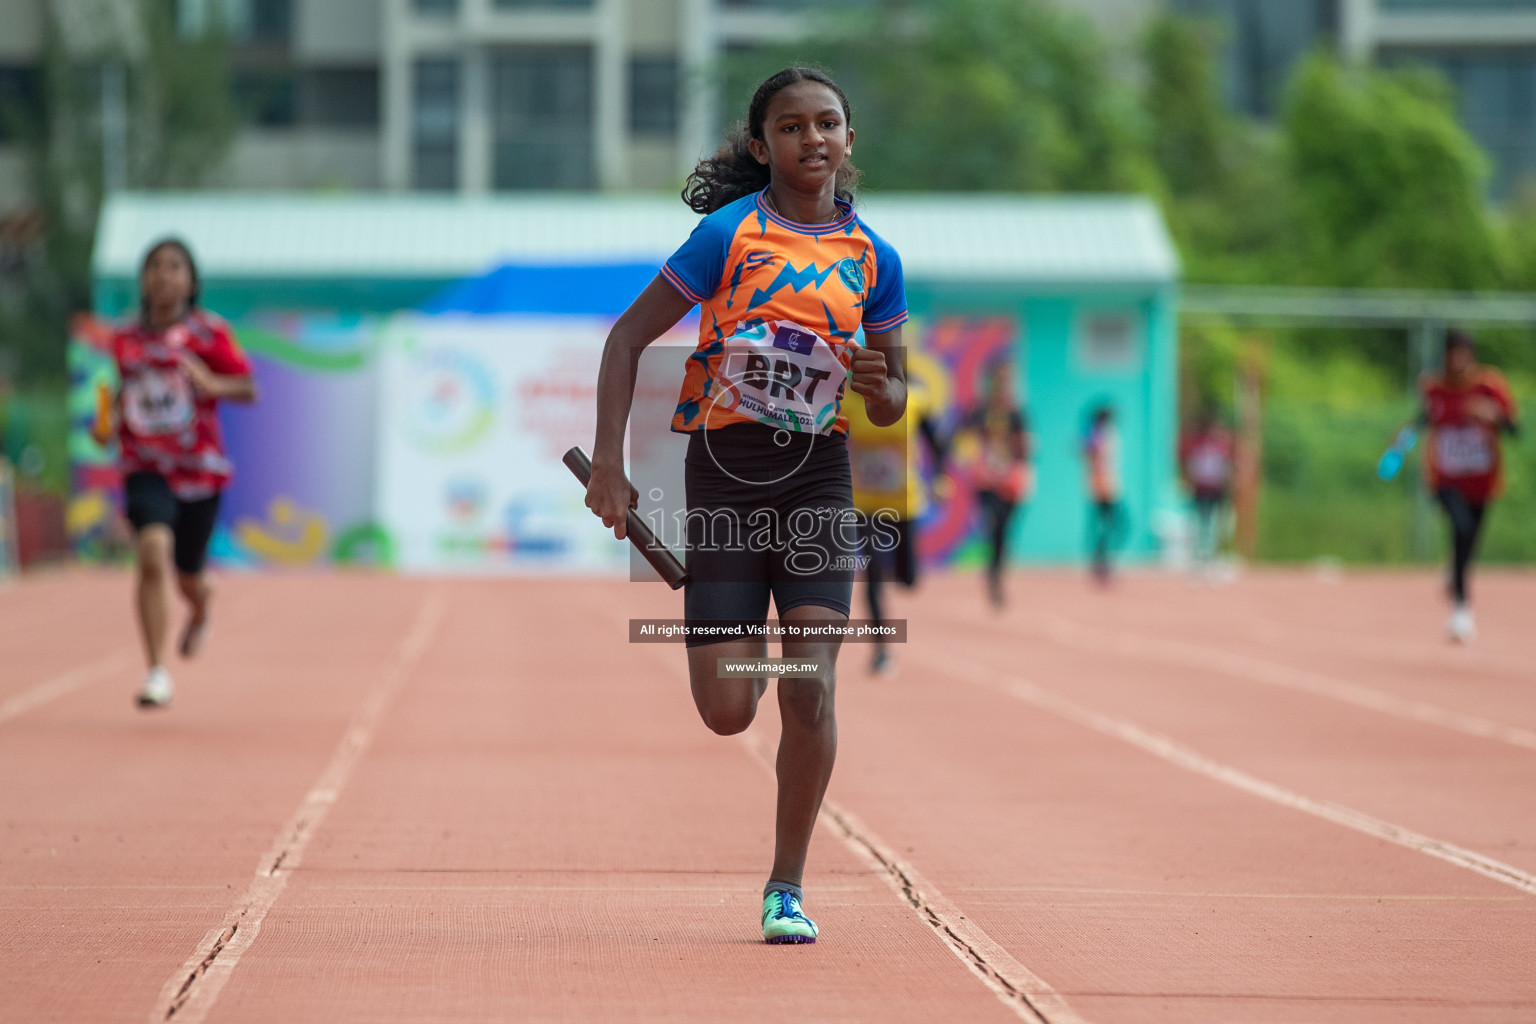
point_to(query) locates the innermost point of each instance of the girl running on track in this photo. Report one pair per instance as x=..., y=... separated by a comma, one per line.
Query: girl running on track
x=1466, y=407
x=175, y=363
x=784, y=272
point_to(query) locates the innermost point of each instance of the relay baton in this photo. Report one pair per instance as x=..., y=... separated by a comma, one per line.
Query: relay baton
x=101, y=427
x=663, y=561
x=1392, y=459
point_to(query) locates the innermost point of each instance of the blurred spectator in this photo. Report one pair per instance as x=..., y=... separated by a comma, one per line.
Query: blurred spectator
x=1205, y=463
x=1467, y=406
x=1003, y=477
x=888, y=495
x=1106, y=517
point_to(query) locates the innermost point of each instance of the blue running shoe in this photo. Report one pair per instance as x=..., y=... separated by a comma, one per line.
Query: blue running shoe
x=784, y=921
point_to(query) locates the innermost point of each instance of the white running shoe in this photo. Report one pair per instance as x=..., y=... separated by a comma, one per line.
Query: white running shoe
x=157, y=690
x=1460, y=627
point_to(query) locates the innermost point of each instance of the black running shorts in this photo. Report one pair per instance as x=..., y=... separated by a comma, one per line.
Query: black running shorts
x=150, y=500
x=770, y=513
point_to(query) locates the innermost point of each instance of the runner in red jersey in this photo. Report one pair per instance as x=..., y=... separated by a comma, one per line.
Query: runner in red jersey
x=1466, y=408
x=1206, y=455
x=175, y=363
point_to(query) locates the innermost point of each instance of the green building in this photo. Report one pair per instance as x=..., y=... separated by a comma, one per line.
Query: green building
x=1080, y=292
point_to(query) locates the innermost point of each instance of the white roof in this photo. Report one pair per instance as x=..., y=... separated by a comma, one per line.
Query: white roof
x=955, y=237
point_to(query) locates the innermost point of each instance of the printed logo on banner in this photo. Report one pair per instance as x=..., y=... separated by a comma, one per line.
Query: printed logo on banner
x=465, y=499
x=450, y=402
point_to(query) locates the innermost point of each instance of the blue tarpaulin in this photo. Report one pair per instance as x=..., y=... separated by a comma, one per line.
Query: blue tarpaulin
x=594, y=290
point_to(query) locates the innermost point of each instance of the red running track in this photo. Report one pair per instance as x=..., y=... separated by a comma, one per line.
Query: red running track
x=388, y=799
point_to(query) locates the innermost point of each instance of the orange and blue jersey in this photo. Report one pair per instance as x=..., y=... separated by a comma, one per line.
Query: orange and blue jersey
x=779, y=306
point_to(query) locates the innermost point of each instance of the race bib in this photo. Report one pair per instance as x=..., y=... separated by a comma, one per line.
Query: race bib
x=1463, y=451
x=781, y=374
x=157, y=402
x=1208, y=467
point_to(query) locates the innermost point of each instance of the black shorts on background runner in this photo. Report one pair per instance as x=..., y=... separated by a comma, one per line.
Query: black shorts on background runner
x=806, y=484
x=150, y=500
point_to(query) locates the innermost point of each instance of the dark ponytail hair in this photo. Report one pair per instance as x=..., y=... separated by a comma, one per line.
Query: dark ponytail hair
x=186, y=254
x=733, y=172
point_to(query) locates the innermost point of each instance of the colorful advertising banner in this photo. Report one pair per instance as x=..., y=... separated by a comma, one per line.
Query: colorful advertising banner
x=950, y=357
x=433, y=442
x=303, y=454
x=474, y=415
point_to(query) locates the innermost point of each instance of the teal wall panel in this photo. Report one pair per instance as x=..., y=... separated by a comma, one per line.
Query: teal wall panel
x=1062, y=375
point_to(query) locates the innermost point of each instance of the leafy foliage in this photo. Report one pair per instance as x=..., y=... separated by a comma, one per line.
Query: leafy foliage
x=966, y=95
x=181, y=121
x=1388, y=188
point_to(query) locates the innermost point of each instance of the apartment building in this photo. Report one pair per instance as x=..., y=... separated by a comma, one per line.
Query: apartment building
x=463, y=96
x=482, y=95
x=1486, y=48
x=475, y=96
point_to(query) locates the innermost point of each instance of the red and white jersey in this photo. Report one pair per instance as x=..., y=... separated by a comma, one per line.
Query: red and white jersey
x=1463, y=452
x=1206, y=458
x=164, y=426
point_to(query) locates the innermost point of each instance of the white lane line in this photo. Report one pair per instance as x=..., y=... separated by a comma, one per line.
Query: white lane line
x=192, y=991
x=1272, y=631
x=1269, y=673
x=120, y=660
x=1176, y=753
x=1028, y=995
x=1019, y=988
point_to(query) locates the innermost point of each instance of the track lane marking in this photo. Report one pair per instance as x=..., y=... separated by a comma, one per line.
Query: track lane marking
x=1170, y=750
x=120, y=660
x=1070, y=890
x=192, y=990
x=1020, y=989
x=1270, y=673
x=67, y=682
x=1028, y=995
x=1270, y=631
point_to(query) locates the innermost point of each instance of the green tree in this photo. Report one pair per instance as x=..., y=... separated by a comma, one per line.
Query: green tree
x=966, y=95
x=1191, y=130
x=1388, y=189
x=1227, y=183
x=181, y=121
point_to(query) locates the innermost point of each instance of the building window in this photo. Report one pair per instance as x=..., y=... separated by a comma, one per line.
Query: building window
x=543, y=3
x=340, y=97
x=267, y=98
x=1457, y=5
x=769, y=5
x=271, y=21
x=21, y=99
x=653, y=96
x=1108, y=341
x=246, y=21
x=541, y=106
x=435, y=123
x=1264, y=39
